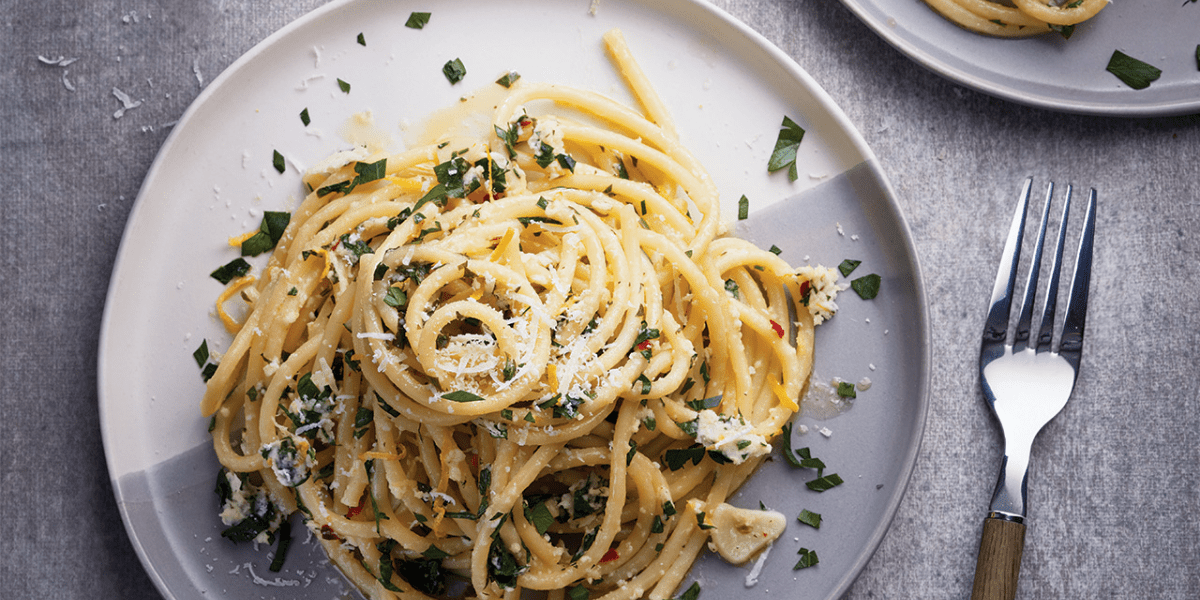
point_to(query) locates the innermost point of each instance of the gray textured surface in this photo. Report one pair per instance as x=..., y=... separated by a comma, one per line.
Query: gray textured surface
x=1113, y=489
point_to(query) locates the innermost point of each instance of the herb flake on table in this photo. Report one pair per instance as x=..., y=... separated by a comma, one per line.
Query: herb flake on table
x=362, y=41
x=1131, y=71
x=848, y=266
x=784, y=155
x=342, y=85
x=417, y=20
x=508, y=79
x=743, y=208
x=278, y=162
x=304, y=117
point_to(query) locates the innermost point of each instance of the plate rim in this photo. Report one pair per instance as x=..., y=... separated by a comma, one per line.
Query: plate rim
x=1004, y=92
x=923, y=378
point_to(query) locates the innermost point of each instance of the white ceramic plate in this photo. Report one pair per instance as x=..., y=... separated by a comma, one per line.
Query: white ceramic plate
x=1049, y=71
x=728, y=90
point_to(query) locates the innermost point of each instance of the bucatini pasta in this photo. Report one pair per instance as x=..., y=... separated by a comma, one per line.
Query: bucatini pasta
x=528, y=361
x=1020, y=18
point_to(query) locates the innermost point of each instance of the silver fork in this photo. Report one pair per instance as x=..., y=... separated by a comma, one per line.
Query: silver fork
x=1026, y=384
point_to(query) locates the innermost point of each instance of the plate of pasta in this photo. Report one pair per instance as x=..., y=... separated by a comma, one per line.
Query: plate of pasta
x=1071, y=56
x=623, y=309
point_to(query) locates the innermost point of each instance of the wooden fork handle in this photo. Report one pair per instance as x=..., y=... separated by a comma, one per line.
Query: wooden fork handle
x=999, y=561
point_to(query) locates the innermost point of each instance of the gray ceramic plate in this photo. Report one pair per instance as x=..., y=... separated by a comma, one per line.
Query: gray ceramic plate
x=728, y=90
x=1049, y=71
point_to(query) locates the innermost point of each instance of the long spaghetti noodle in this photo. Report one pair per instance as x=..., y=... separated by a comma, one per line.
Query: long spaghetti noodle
x=527, y=362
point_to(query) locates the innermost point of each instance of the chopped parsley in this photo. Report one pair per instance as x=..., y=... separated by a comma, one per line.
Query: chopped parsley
x=775, y=250
x=808, y=558
x=692, y=592
x=848, y=266
x=304, y=117
x=538, y=515
x=1133, y=72
x=867, y=286
x=508, y=79
x=784, y=155
x=845, y=389
x=462, y=396
x=269, y=231
x=395, y=298
x=231, y=270
x=417, y=20
x=201, y=354
x=743, y=208
x=277, y=162
x=281, y=549
x=362, y=41
x=810, y=518
x=578, y=593
x=342, y=85
x=822, y=484
x=1063, y=30
x=454, y=70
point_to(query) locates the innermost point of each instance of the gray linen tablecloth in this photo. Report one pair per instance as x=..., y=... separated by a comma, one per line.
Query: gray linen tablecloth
x=1114, y=484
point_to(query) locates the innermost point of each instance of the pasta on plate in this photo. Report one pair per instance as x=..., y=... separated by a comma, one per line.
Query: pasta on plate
x=1018, y=18
x=525, y=362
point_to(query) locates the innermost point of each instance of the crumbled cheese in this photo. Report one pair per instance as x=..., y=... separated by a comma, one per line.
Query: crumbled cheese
x=823, y=291
x=731, y=436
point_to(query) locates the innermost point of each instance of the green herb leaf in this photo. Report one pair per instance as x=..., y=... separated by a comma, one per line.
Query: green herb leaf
x=775, y=250
x=201, y=354
x=435, y=553
x=395, y=298
x=678, y=457
x=808, y=558
x=281, y=549
x=578, y=593
x=1063, y=30
x=743, y=207
x=810, y=518
x=362, y=41
x=657, y=525
x=1133, y=72
x=462, y=396
x=231, y=270
x=417, y=20
x=277, y=162
x=821, y=484
x=731, y=286
x=845, y=389
x=701, y=522
x=787, y=445
x=692, y=592
x=304, y=117
x=269, y=232
x=454, y=71
x=669, y=508
x=508, y=79
x=342, y=85
x=848, y=266
x=867, y=286
x=538, y=515
x=786, y=145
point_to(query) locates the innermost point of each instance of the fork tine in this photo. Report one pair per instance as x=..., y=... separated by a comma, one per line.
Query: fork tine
x=1021, y=337
x=1071, y=345
x=1046, y=327
x=995, y=329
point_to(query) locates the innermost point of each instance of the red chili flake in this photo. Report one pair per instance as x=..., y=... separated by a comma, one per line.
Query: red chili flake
x=644, y=345
x=474, y=460
x=777, y=327
x=357, y=509
x=610, y=556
